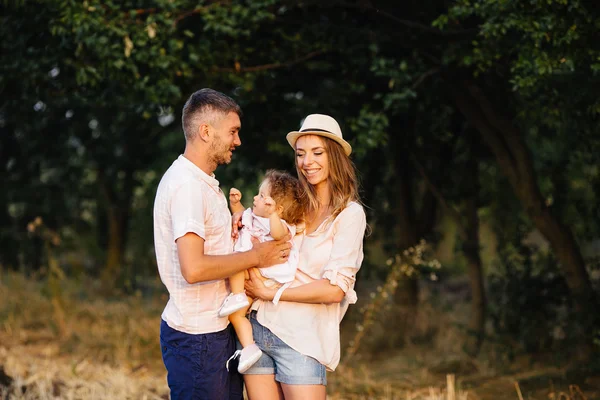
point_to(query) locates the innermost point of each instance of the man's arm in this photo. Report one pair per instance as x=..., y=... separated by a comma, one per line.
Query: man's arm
x=199, y=267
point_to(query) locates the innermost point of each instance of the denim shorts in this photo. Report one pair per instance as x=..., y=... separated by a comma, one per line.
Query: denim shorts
x=279, y=359
x=196, y=364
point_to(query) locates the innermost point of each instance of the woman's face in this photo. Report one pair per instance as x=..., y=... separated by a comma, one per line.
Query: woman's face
x=312, y=159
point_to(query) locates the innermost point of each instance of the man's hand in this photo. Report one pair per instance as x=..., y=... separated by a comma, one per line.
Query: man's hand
x=236, y=221
x=272, y=252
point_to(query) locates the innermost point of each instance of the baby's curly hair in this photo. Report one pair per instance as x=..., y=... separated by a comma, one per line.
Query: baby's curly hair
x=287, y=192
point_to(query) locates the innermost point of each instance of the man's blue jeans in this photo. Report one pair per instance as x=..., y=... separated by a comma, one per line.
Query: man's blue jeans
x=196, y=364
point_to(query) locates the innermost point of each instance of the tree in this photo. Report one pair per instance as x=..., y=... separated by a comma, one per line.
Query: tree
x=116, y=72
x=544, y=68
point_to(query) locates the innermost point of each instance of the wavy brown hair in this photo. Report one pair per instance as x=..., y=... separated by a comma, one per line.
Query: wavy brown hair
x=287, y=192
x=343, y=183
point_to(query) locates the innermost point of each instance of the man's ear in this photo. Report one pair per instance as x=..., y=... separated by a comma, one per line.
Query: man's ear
x=204, y=132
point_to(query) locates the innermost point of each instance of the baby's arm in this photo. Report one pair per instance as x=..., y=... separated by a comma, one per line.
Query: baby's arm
x=235, y=204
x=278, y=228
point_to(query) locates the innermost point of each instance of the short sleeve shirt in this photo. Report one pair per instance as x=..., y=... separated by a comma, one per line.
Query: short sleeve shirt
x=190, y=201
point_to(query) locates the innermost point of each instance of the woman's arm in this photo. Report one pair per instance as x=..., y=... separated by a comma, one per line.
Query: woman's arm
x=340, y=272
x=317, y=292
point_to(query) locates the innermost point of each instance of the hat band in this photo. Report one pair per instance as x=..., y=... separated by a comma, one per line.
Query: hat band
x=315, y=130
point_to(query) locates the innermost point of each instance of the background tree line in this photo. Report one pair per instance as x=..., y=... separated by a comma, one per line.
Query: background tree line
x=465, y=109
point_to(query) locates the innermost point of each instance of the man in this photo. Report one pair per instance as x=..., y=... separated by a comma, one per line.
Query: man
x=193, y=244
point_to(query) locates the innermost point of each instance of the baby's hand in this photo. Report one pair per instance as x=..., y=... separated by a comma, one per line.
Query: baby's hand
x=270, y=205
x=235, y=196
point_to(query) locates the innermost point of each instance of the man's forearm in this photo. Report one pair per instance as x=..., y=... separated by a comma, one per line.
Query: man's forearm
x=199, y=267
x=209, y=268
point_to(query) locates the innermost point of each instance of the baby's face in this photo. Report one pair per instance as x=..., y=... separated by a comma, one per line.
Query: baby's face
x=259, y=207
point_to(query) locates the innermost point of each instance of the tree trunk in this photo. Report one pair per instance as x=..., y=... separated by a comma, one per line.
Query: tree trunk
x=406, y=296
x=513, y=156
x=117, y=214
x=112, y=271
x=471, y=250
x=9, y=257
x=469, y=234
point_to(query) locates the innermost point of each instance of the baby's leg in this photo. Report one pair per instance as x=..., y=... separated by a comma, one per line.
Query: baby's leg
x=236, y=282
x=237, y=298
x=242, y=325
x=250, y=353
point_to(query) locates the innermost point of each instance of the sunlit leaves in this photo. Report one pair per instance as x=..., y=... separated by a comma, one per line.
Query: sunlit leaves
x=538, y=40
x=371, y=128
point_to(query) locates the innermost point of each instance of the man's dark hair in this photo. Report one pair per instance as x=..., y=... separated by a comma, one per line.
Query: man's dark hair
x=206, y=105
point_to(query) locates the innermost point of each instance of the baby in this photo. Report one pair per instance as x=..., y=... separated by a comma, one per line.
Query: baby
x=277, y=210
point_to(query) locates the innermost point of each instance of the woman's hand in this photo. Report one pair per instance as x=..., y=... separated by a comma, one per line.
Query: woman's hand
x=255, y=286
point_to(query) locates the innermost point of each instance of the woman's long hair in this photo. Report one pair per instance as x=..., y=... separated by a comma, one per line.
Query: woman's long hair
x=343, y=182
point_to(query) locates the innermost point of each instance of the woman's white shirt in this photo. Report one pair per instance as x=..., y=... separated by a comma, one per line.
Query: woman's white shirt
x=334, y=251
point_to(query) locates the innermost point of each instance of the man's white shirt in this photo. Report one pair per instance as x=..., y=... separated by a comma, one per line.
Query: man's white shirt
x=190, y=201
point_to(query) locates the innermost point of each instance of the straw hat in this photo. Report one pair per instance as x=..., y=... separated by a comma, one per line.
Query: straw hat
x=320, y=125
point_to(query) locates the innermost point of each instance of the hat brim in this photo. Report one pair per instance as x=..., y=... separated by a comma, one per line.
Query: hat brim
x=293, y=136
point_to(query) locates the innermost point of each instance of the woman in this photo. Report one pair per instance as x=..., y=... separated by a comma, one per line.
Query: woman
x=299, y=335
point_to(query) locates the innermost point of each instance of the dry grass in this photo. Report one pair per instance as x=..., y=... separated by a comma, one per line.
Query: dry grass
x=63, y=341
x=44, y=375
x=72, y=346
x=359, y=384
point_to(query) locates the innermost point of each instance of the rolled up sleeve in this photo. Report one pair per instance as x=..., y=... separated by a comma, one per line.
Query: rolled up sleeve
x=347, y=251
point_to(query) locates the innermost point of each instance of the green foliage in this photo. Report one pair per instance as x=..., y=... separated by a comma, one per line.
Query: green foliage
x=541, y=49
x=529, y=301
x=92, y=92
x=103, y=81
x=371, y=128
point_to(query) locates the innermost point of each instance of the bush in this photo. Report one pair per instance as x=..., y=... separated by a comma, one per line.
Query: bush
x=528, y=299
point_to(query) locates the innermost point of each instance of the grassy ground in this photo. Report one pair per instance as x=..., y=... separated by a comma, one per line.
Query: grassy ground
x=66, y=342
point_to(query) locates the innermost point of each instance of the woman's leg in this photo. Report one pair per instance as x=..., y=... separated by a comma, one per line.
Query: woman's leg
x=300, y=392
x=263, y=387
x=295, y=375
x=260, y=378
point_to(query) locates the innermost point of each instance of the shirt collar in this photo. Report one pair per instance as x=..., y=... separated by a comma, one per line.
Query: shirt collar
x=210, y=179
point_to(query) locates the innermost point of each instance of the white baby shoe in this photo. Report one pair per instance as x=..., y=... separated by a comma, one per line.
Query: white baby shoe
x=246, y=357
x=232, y=303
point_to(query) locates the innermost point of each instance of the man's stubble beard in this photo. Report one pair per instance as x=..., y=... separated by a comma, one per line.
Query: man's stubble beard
x=218, y=152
